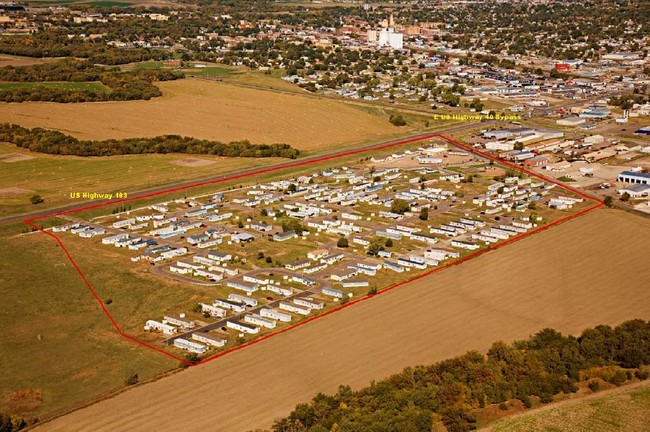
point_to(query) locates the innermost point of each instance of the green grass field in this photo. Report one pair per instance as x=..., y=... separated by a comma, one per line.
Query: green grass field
x=619, y=410
x=55, y=177
x=68, y=86
x=60, y=342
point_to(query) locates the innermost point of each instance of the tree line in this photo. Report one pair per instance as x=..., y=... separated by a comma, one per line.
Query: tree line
x=123, y=85
x=451, y=391
x=56, y=43
x=57, y=143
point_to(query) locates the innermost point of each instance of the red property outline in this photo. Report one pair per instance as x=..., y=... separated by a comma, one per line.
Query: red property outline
x=392, y=144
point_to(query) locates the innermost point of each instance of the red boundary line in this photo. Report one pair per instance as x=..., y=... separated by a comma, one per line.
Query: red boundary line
x=398, y=143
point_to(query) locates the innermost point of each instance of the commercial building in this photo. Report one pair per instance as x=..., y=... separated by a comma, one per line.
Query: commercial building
x=633, y=177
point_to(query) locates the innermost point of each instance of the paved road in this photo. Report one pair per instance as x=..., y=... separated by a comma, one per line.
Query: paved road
x=135, y=195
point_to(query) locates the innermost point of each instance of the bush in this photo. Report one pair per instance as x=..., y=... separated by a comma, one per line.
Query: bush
x=593, y=386
x=131, y=379
x=36, y=199
x=342, y=242
x=397, y=120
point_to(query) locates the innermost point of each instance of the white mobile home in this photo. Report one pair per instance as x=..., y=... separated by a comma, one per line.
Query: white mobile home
x=178, y=321
x=242, y=327
x=294, y=308
x=207, y=339
x=190, y=346
x=242, y=299
x=260, y=321
x=276, y=315
x=155, y=325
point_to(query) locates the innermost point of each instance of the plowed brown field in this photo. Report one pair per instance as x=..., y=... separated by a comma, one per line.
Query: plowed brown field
x=588, y=271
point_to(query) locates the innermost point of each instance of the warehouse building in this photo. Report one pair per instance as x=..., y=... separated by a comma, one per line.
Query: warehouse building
x=634, y=177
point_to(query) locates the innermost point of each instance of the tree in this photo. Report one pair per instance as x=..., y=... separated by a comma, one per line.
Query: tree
x=626, y=197
x=519, y=146
x=389, y=243
x=609, y=201
x=399, y=206
x=476, y=105
x=424, y=214
x=36, y=199
x=342, y=242
x=376, y=245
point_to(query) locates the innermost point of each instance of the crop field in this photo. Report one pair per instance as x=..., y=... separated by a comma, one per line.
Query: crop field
x=24, y=173
x=212, y=110
x=625, y=409
x=546, y=280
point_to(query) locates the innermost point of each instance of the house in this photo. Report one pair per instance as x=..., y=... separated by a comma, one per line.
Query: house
x=242, y=286
x=294, y=308
x=207, y=339
x=343, y=274
x=297, y=265
x=190, y=346
x=230, y=305
x=155, y=325
x=317, y=254
x=219, y=256
x=260, y=226
x=309, y=303
x=276, y=315
x=242, y=237
x=279, y=237
x=242, y=327
x=178, y=321
x=332, y=292
x=251, y=302
x=260, y=321
x=213, y=310
x=393, y=266
x=464, y=245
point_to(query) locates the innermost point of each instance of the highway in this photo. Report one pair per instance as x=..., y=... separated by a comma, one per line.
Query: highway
x=238, y=174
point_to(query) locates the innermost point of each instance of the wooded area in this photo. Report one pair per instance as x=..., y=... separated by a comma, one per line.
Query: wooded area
x=450, y=391
x=123, y=85
x=57, y=143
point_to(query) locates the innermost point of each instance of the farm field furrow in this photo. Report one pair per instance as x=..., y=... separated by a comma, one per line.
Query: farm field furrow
x=546, y=280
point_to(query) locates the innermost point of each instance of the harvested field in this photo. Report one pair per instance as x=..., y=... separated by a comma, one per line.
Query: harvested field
x=191, y=162
x=210, y=110
x=588, y=271
x=624, y=409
